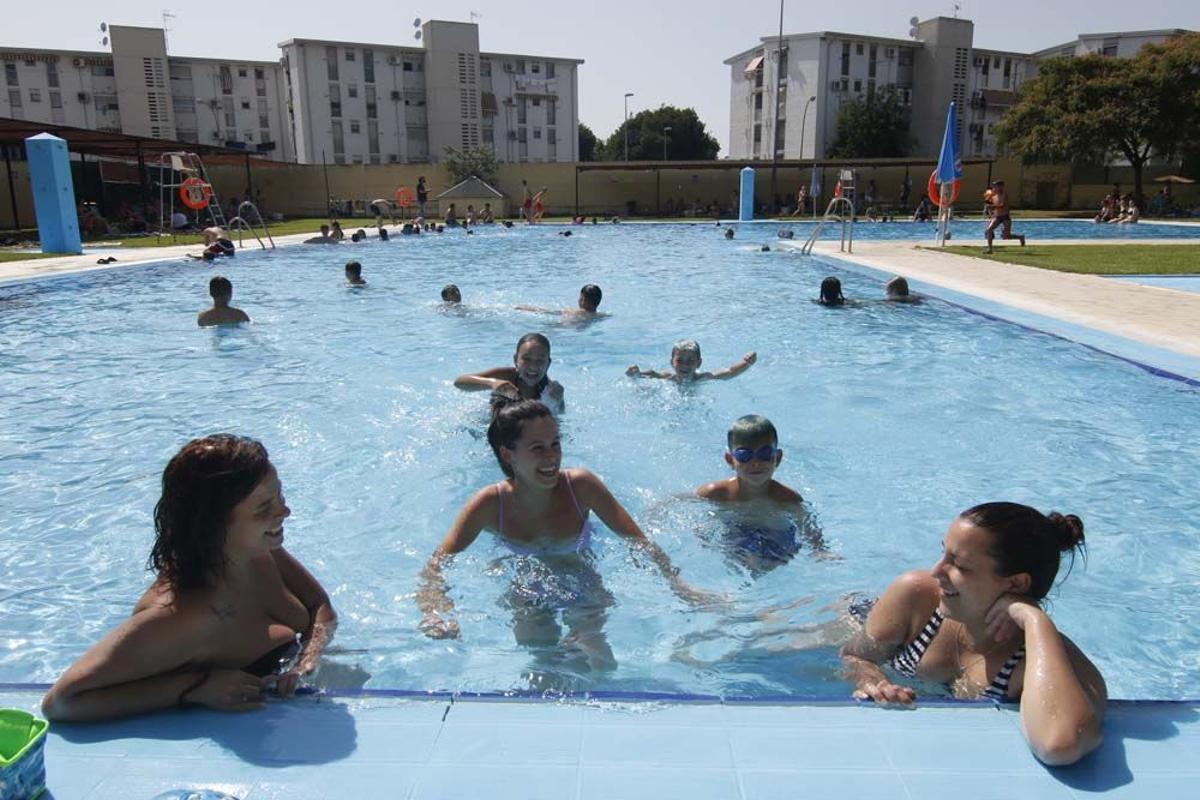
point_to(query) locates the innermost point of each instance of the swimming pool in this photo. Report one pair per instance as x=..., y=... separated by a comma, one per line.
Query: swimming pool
x=892, y=419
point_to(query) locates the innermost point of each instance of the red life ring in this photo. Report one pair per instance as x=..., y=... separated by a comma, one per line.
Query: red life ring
x=404, y=197
x=195, y=193
x=936, y=196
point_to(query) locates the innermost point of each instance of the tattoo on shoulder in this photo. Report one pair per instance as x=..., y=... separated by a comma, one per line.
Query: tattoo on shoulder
x=227, y=611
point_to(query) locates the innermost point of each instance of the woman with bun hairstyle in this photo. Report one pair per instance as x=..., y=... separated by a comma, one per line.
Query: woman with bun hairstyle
x=975, y=623
x=231, y=615
x=541, y=511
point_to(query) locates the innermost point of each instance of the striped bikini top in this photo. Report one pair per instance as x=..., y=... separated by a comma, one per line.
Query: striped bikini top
x=905, y=662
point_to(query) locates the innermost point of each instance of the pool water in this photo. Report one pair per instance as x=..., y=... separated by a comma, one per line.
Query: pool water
x=892, y=419
x=971, y=231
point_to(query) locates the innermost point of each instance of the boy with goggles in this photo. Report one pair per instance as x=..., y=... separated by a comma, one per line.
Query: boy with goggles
x=761, y=540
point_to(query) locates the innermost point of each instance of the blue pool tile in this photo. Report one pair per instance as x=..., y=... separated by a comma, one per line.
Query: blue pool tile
x=70, y=777
x=653, y=714
x=336, y=782
x=541, y=713
x=789, y=784
x=937, y=750
x=994, y=786
x=397, y=743
x=442, y=782
x=663, y=745
x=501, y=743
x=609, y=783
x=836, y=748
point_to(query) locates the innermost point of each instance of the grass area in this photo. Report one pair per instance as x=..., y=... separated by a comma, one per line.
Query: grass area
x=1095, y=259
x=4, y=256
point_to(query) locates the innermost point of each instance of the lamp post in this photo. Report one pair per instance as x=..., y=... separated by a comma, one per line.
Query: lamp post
x=666, y=140
x=627, y=96
x=780, y=78
x=803, y=123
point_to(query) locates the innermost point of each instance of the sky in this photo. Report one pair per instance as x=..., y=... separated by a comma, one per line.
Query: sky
x=664, y=51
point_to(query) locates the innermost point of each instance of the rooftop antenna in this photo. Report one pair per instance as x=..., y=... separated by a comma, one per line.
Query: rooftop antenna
x=912, y=30
x=104, y=29
x=166, y=15
x=475, y=15
x=957, y=8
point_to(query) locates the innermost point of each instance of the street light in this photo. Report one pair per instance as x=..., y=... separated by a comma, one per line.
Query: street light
x=780, y=78
x=666, y=140
x=803, y=122
x=627, y=96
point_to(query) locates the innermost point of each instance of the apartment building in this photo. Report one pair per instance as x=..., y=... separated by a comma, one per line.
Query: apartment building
x=808, y=76
x=377, y=103
x=343, y=102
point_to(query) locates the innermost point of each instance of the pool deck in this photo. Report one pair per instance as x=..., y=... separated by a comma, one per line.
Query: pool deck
x=443, y=747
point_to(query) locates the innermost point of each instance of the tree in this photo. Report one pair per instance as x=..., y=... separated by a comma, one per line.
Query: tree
x=875, y=126
x=688, y=140
x=587, y=143
x=1094, y=109
x=478, y=161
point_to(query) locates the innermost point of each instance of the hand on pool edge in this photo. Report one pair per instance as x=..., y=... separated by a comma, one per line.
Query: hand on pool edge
x=885, y=693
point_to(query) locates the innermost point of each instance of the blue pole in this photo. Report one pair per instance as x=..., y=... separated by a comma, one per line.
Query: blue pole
x=53, y=194
x=746, y=198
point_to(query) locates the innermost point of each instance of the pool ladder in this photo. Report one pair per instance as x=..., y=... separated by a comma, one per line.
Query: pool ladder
x=240, y=223
x=840, y=209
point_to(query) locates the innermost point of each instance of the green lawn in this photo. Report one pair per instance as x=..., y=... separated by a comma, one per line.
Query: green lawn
x=1096, y=259
x=5, y=256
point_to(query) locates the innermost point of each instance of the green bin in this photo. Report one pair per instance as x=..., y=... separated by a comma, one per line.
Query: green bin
x=22, y=751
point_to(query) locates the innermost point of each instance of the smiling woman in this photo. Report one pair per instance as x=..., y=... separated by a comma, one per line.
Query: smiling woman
x=227, y=608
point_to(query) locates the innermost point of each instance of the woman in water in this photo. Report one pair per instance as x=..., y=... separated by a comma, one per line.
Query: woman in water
x=526, y=379
x=975, y=622
x=543, y=511
x=228, y=606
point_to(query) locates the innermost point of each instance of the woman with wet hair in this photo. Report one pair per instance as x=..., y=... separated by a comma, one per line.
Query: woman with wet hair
x=526, y=379
x=231, y=615
x=975, y=623
x=831, y=292
x=541, y=512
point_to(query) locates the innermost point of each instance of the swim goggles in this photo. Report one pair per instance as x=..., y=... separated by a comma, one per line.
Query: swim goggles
x=743, y=455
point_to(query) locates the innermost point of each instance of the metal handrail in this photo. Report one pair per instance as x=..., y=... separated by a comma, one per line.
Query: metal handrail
x=834, y=212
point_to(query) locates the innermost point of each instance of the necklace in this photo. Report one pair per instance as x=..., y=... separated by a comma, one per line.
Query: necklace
x=963, y=682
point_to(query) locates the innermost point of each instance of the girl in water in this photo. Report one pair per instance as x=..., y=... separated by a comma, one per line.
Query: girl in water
x=229, y=610
x=975, y=622
x=543, y=511
x=526, y=379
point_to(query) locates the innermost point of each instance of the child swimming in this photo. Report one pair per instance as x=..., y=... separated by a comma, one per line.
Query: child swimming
x=526, y=379
x=543, y=512
x=686, y=360
x=762, y=537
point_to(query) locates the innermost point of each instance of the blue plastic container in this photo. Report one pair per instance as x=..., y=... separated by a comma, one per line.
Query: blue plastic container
x=22, y=755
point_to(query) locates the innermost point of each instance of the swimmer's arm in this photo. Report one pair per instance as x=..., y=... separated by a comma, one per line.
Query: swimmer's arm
x=888, y=626
x=595, y=495
x=1064, y=696
x=487, y=380
x=433, y=596
x=555, y=390
x=735, y=369
x=635, y=371
x=538, y=310
x=308, y=590
x=132, y=670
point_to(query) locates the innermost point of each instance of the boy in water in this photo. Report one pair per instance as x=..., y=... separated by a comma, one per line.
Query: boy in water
x=761, y=539
x=451, y=296
x=354, y=274
x=221, y=291
x=686, y=360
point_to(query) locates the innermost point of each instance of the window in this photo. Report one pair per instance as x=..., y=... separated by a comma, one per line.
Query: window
x=339, y=143
x=857, y=86
x=264, y=135
x=352, y=90
x=247, y=136
x=535, y=67
x=335, y=101
x=551, y=136
x=485, y=67
x=246, y=104
x=14, y=98
x=845, y=58
x=537, y=133
x=241, y=72
x=226, y=80
x=349, y=54
x=549, y=69
x=757, y=135
x=260, y=74
x=354, y=126
x=10, y=74
x=264, y=117
x=537, y=101
x=520, y=66
x=35, y=96
x=372, y=105
x=522, y=111
x=331, y=63
x=52, y=74
x=522, y=135
x=230, y=118
x=758, y=100
x=408, y=66
x=373, y=140
x=368, y=66
x=56, y=100
x=551, y=112
x=858, y=49
x=873, y=53
x=996, y=62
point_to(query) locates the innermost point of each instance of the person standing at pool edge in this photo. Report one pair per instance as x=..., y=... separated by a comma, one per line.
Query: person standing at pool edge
x=228, y=605
x=975, y=623
x=422, y=195
x=527, y=379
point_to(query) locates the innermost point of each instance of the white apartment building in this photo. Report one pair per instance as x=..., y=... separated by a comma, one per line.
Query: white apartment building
x=342, y=101
x=378, y=103
x=810, y=75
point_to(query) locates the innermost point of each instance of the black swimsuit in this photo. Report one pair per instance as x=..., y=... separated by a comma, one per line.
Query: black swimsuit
x=275, y=660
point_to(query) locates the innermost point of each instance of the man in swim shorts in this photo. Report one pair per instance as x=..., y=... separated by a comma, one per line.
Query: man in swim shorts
x=1001, y=217
x=221, y=291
